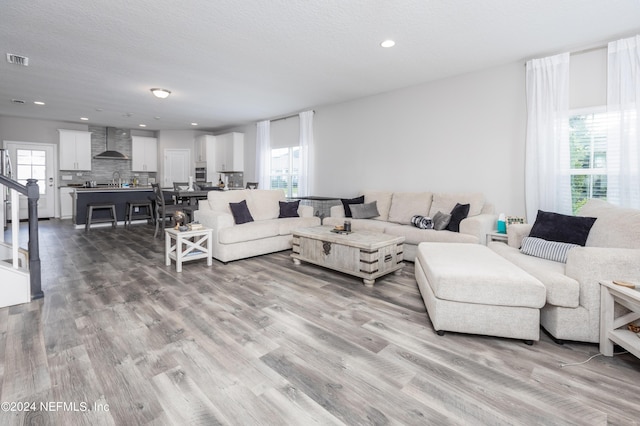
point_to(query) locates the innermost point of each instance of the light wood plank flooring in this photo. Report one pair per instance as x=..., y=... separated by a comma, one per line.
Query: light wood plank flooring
x=264, y=342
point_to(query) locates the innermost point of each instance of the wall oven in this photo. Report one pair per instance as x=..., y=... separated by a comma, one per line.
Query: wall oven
x=201, y=174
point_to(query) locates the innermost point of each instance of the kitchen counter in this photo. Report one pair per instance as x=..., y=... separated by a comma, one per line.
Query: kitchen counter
x=119, y=196
x=113, y=189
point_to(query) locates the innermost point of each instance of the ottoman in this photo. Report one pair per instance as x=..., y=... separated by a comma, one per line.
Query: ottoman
x=468, y=288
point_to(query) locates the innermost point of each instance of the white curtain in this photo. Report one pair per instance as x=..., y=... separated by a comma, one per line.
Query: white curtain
x=623, y=108
x=305, y=180
x=263, y=154
x=547, y=179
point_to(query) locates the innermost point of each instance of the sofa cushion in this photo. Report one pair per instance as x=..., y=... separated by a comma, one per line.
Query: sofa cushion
x=240, y=212
x=347, y=202
x=562, y=228
x=616, y=227
x=218, y=201
x=263, y=203
x=413, y=235
x=364, y=211
x=359, y=224
x=561, y=290
x=551, y=250
x=445, y=202
x=441, y=220
x=287, y=225
x=249, y=231
x=405, y=205
x=288, y=209
x=383, y=201
x=458, y=214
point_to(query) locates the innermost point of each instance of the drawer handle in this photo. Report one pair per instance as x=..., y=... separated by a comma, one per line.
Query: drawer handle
x=388, y=258
x=326, y=247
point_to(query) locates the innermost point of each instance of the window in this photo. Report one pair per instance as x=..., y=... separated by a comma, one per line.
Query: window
x=31, y=164
x=285, y=170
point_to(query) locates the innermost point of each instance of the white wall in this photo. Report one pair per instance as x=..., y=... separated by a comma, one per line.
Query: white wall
x=28, y=130
x=459, y=134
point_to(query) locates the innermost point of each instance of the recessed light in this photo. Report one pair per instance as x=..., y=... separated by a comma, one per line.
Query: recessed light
x=156, y=118
x=142, y=125
x=17, y=101
x=388, y=43
x=160, y=93
x=84, y=119
x=194, y=124
x=38, y=102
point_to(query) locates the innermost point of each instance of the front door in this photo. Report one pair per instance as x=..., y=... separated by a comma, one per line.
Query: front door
x=35, y=161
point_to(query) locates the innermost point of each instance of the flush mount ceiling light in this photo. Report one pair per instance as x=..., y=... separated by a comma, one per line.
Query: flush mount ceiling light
x=160, y=93
x=388, y=43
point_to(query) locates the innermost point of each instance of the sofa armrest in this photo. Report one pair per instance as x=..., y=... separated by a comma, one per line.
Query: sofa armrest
x=305, y=211
x=479, y=226
x=337, y=211
x=590, y=265
x=214, y=220
x=517, y=232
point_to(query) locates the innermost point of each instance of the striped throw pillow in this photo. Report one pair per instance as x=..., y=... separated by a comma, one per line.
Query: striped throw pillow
x=551, y=250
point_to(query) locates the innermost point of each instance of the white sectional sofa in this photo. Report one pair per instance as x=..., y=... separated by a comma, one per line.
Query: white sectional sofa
x=267, y=233
x=397, y=208
x=612, y=251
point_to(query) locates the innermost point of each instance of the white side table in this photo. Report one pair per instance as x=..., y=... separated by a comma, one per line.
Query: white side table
x=612, y=329
x=184, y=246
x=497, y=236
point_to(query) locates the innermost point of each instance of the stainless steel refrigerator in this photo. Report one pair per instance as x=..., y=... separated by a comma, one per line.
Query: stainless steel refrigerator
x=5, y=170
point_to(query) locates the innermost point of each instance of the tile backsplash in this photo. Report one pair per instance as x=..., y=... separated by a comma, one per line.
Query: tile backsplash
x=105, y=171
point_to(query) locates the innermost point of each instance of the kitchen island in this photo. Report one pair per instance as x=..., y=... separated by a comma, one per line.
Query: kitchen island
x=119, y=196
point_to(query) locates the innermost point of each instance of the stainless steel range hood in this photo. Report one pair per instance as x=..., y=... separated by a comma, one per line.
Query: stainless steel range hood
x=110, y=154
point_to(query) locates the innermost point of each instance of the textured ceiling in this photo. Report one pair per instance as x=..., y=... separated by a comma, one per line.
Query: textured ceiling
x=230, y=62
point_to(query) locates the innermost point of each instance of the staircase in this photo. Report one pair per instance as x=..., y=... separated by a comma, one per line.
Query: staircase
x=20, y=280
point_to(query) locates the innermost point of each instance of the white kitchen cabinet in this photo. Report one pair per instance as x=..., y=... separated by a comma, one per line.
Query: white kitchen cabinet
x=230, y=150
x=144, y=154
x=205, y=151
x=75, y=150
x=66, y=202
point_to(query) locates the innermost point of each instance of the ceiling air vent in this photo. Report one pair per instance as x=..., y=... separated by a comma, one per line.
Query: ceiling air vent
x=17, y=59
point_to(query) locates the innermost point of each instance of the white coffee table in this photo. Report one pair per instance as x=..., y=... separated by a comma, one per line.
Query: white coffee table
x=612, y=329
x=184, y=246
x=365, y=254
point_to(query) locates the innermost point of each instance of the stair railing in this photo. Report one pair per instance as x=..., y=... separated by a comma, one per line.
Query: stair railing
x=31, y=191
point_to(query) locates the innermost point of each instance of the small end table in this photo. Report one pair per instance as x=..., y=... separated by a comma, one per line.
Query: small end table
x=497, y=236
x=184, y=246
x=611, y=328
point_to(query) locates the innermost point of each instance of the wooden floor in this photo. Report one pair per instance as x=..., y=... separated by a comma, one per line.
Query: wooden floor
x=122, y=339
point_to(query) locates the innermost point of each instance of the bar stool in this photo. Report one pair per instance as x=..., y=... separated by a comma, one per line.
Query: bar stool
x=131, y=206
x=100, y=206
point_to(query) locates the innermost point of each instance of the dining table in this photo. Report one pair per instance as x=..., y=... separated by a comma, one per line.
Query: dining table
x=190, y=198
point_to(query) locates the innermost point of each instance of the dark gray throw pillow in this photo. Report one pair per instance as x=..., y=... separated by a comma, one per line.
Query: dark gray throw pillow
x=459, y=212
x=289, y=209
x=562, y=228
x=441, y=220
x=347, y=202
x=365, y=211
x=240, y=212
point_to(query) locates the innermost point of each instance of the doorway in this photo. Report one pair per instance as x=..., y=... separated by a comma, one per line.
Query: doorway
x=176, y=168
x=35, y=161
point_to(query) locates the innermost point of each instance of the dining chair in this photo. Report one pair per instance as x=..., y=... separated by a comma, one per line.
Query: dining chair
x=163, y=209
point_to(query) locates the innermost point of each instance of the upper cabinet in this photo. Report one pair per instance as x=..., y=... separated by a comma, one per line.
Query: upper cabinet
x=205, y=150
x=221, y=153
x=75, y=150
x=144, y=154
x=230, y=149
